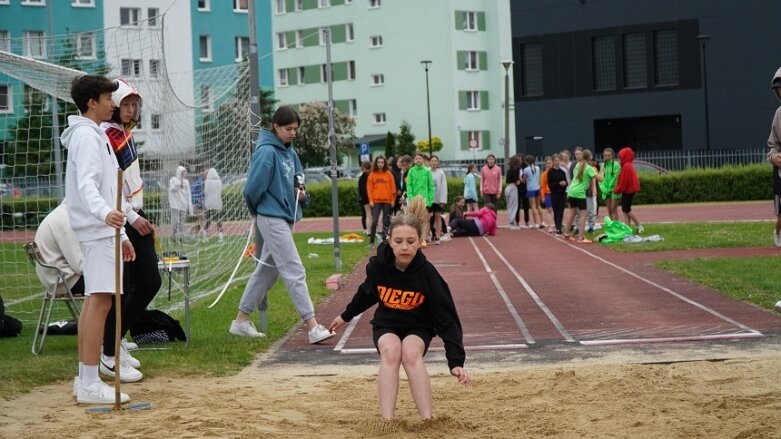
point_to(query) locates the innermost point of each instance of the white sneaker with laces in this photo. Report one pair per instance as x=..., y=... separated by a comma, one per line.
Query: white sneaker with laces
x=446, y=237
x=129, y=345
x=127, y=358
x=777, y=240
x=318, y=334
x=245, y=329
x=99, y=393
x=127, y=373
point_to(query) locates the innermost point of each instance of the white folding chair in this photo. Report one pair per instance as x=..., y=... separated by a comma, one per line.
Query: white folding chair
x=61, y=292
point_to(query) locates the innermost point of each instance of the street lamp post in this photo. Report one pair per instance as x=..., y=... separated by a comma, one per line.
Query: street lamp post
x=703, y=39
x=506, y=63
x=425, y=64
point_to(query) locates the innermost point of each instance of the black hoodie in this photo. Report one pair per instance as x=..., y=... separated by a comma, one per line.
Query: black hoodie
x=416, y=298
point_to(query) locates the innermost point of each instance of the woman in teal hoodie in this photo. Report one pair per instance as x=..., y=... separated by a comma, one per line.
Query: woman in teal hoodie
x=275, y=194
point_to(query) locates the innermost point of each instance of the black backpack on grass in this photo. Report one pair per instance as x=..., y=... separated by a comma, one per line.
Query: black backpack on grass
x=9, y=326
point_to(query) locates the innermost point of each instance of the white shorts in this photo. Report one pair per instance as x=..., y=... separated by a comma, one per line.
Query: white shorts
x=99, y=266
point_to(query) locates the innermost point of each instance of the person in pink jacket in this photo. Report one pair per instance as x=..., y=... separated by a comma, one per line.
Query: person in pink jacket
x=477, y=223
x=491, y=181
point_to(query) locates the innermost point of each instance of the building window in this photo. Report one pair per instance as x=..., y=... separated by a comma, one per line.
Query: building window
x=281, y=6
x=6, y=99
x=129, y=16
x=240, y=6
x=283, y=77
x=473, y=100
x=323, y=32
x=33, y=3
x=470, y=20
x=375, y=3
x=378, y=79
x=324, y=4
x=151, y=15
x=635, y=72
x=353, y=108
x=299, y=5
x=204, y=5
x=375, y=41
x=131, y=67
x=242, y=48
x=205, y=48
x=154, y=121
x=665, y=57
x=603, y=53
x=154, y=68
x=83, y=3
x=34, y=46
x=299, y=39
x=472, y=61
x=85, y=45
x=5, y=2
x=379, y=118
x=281, y=40
x=477, y=136
x=531, y=70
x=206, y=98
x=349, y=33
x=301, y=74
x=350, y=70
x=5, y=40
x=34, y=97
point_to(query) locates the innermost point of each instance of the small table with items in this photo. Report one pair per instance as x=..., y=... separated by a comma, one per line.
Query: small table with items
x=183, y=266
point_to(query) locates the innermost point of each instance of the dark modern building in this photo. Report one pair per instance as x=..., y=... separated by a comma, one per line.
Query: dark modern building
x=601, y=73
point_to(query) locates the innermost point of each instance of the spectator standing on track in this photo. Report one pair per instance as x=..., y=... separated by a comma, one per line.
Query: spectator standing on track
x=557, y=183
x=611, y=170
x=523, y=200
x=363, y=196
x=582, y=175
x=512, y=180
x=491, y=181
x=403, y=327
x=470, y=187
x=404, y=162
x=592, y=206
x=180, y=201
x=545, y=198
x=381, y=188
x=196, y=192
x=421, y=182
x=531, y=177
x=212, y=202
x=628, y=185
x=440, y=199
x=774, y=157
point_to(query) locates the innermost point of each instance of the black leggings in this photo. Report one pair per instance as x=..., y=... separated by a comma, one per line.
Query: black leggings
x=385, y=208
x=558, y=200
x=524, y=204
x=141, y=281
x=464, y=227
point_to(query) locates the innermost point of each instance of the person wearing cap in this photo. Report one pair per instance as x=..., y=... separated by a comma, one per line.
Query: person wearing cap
x=774, y=156
x=90, y=196
x=142, y=278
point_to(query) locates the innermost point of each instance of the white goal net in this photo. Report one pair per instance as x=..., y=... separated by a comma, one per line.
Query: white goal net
x=199, y=119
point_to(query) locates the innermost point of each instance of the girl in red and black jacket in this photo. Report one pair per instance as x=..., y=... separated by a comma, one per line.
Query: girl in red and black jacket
x=628, y=185
x=414, y=305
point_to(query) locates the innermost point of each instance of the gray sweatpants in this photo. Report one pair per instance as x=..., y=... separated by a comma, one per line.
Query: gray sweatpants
x=278, y=258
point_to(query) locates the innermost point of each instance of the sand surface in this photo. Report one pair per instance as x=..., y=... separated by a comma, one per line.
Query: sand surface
x=736, y=398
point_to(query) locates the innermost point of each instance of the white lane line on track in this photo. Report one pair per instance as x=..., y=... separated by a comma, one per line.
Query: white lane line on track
x=513, y=312
x=670, y=339
x=347, y=332
x=532, y=293
x=668, y=291
x=482, y=347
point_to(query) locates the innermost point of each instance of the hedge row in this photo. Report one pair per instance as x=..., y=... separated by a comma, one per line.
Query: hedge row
x=734, y=183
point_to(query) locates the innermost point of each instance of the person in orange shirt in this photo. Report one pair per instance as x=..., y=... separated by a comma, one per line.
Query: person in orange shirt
x=545, y=196
x=381, y=189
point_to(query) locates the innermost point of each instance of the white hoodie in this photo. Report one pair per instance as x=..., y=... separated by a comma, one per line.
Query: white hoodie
x=90, y=179
x=212, y=191
x=179, y=196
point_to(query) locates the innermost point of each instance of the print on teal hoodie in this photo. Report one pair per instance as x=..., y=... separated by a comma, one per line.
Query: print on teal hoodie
x=269, y=190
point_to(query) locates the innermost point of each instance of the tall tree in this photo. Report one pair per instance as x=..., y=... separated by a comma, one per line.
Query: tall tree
x=390, y=145
x=312, y=140
x=405, y=140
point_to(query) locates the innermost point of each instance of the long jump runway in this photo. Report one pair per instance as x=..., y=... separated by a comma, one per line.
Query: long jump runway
x=524, y=288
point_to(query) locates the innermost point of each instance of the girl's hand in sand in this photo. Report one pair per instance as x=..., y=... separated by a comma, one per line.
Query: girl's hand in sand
x=336, y=324
x=460, y=373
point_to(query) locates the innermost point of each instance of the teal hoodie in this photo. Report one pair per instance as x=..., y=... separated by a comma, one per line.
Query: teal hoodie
x=269, y=190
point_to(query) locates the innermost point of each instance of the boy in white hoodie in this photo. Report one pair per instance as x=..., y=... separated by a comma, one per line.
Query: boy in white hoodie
x=774, y=157
x=90, y=191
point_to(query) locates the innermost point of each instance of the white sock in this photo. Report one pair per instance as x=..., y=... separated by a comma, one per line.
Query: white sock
x=89, y=375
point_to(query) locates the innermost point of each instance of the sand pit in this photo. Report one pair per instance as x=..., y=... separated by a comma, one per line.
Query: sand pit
x=738, y=398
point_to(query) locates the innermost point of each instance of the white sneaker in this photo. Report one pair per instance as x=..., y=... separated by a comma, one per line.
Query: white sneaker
x=127, y=358
x=318, y=334
x=777, y=240
x=129, y=345
x=245, y=329
x=99, y=393
x=127, y=373
x=446, y=237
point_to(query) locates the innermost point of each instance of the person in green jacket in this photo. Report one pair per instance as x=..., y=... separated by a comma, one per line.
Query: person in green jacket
x=610, y=169
x=420, y=181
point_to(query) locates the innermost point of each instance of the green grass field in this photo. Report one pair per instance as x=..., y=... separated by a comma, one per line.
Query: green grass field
x=700, y=235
